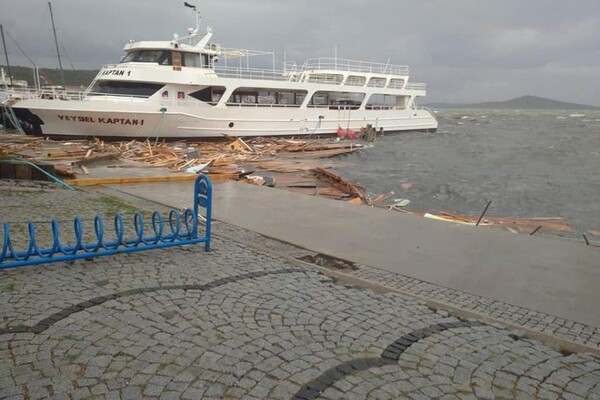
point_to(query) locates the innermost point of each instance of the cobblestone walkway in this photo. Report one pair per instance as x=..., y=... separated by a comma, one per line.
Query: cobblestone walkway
x=242, y=323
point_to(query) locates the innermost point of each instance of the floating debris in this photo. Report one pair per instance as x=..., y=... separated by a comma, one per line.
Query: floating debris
x=300, y=166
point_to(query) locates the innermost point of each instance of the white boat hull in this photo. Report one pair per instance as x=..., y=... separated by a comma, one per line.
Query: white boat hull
x=175, y=120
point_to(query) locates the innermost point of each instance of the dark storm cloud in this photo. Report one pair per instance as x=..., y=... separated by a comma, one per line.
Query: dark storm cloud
x=466, y=50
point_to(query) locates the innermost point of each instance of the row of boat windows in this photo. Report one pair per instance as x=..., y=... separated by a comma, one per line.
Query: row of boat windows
x=268, y=97
x=135, y=89
x=253, y=96
x=354, y=80
x=167, y=57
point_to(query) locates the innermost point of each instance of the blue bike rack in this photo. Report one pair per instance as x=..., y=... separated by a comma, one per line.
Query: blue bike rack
x=182, y=229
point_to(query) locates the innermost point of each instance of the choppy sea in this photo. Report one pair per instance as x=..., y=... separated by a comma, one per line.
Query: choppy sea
x=528, y=163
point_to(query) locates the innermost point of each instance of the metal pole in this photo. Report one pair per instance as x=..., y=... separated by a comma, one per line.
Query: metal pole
x=36, y=77
x=535, y=230
x=36, y=70
x=6, y=54
x=587, y=242
x=483, y=213
x=62, y=77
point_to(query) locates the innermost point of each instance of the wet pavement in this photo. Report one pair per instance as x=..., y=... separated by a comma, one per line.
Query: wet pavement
x=249, y=320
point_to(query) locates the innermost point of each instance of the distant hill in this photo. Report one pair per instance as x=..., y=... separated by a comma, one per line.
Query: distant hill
x=520, y=103
x=52, y=76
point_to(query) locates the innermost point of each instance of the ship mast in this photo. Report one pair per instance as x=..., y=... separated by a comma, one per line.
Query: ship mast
x=62, y=77
x=194, y=32
x=6, y=54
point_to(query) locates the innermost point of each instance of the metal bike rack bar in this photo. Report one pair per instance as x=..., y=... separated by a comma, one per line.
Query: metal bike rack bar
x=178, y=230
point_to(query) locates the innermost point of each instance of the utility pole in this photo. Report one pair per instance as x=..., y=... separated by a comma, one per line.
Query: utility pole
x=62, y=77
x=6, y=54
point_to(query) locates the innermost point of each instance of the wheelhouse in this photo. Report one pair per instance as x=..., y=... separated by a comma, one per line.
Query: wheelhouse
x=169, y=57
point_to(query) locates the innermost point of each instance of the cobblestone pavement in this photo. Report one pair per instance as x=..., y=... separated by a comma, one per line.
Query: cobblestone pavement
x=240, y=322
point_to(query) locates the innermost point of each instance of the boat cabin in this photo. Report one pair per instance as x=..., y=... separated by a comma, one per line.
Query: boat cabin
x=170, y=53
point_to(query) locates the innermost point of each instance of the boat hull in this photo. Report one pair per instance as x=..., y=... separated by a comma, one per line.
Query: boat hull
x=177, y=120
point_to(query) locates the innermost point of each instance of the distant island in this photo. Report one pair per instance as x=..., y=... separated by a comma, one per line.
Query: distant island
x=520, y=103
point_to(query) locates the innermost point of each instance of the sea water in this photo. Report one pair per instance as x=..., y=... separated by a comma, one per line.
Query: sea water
x=528, y=163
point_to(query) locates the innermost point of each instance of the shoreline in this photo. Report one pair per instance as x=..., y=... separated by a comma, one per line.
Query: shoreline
x=303, y=166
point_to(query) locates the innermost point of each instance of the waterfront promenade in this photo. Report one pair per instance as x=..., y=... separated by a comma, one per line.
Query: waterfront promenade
x=260, y=318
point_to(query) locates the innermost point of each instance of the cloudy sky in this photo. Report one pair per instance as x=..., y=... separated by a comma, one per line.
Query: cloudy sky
x=466, y=50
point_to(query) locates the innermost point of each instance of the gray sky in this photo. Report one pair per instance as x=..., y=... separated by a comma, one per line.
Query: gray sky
x=466, y=50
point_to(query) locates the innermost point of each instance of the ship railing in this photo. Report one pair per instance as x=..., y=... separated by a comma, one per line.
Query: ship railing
x=60, y=94
x=120, y=96
x=250, y=73
x=429, y=110
x=355, y=107
x=416, y=86
x=159, y=101
x=43, y=93
x=12, y=93
x=261, y=105
x=344, y=65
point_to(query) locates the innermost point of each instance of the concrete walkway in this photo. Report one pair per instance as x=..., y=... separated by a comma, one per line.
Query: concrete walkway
x=249, y=321
x=550, y=275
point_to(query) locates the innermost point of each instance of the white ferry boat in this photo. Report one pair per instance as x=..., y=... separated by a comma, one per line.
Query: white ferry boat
x=189, y=87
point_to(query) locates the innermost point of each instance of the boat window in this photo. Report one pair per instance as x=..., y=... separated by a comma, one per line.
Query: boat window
x=291, y=97
x=319, y=99
x=166, y=57
x=377, y=82
x=120, y=88
x=162, y=57
x=176, y=60
x=129, y=57
x=333, y=79
x=264, y=97
x=356, y=80
x=396, y=83
x=386, y=101
x=337, y=100
x=210, y=95
x=244, y=96
x=191, y=60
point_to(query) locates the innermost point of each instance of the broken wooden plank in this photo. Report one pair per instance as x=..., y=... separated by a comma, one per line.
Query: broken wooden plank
x=336, y=180
x=136, y=179
x=64, y=170
x=94, y=159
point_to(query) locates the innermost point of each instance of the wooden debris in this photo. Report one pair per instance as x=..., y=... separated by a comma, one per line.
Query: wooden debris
x=354, y=190
x=87, y=160
x=239, y=146
x=296, y=165
x=515, y=225
x=369, y=133
x=64, y=170
x=380, y=198
x=524, y=225
x=256, y=180
x=355, y=201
